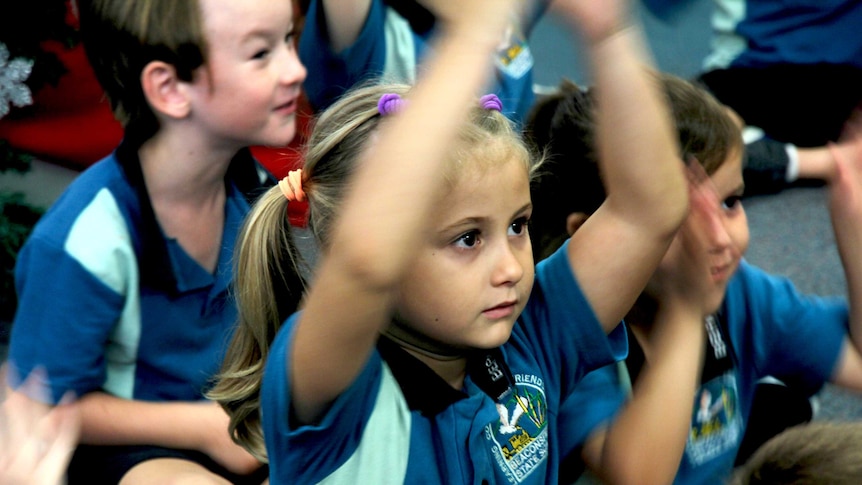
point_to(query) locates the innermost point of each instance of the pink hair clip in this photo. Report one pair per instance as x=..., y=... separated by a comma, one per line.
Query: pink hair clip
x=390, y=103
x=291, y=186
x=491, y=101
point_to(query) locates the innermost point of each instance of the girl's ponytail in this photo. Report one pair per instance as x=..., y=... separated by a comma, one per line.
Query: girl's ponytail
x=268, y=286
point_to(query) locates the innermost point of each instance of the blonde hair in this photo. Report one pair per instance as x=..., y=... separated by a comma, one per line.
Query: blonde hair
x=268, y=283
x=268, y=286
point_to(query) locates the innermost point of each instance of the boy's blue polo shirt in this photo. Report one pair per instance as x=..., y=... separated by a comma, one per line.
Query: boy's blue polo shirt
x=107, y=302
x=769, y=329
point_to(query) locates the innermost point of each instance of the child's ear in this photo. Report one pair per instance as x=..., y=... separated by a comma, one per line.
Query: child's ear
x=574, y=221
x=164, y=91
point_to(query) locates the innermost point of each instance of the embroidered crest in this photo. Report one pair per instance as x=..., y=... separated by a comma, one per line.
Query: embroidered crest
x=716, y=424
x=519, y=438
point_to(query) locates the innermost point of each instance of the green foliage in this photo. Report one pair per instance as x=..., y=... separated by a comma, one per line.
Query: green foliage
x=13, y=159
x=17, y=219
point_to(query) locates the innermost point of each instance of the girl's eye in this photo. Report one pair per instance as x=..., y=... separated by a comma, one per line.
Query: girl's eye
x=467, y=240
x=288, y=39
x=518, y=227
x=732, y=202
x=260, y=54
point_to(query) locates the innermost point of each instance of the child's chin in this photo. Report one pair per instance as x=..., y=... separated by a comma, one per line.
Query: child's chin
x=499, y=336
x=716, y=301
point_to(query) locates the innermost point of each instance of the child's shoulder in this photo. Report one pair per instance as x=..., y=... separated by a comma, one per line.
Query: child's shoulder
x=99, y=199
x=757, y=298
x=753, y=282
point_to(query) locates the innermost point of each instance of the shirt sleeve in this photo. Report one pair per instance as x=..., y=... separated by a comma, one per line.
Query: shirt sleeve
x=559, y=321
x=65, y=316
x=595, y=401
x=318, y=450
x=794, y=337
x=331, y=74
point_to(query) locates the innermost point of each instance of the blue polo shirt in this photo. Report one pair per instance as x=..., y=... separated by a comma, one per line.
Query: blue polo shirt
x=108, y=303
x=399, y=422
x=765, y=327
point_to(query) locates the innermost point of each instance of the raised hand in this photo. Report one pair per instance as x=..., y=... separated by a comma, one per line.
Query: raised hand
x=478, y=16
x=36, y=440
x=683, y=277
x=596, y=19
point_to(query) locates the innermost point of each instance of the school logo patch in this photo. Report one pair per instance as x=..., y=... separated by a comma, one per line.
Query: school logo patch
x=519, y=438
x=513, y=53
x=716, y=425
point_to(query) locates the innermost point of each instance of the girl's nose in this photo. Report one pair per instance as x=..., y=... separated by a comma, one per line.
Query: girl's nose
x=508, y=268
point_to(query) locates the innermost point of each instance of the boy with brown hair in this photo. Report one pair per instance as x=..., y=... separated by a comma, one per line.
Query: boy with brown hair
x=124, y=284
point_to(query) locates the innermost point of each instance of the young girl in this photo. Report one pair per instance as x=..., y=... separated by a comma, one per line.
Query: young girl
x=757, y=324
x=423, y=350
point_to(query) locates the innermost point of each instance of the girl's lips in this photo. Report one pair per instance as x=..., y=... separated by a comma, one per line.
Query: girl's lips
x=500, y=311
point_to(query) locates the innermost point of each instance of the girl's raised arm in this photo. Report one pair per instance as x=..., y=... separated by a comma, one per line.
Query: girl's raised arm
x=617, y=249
x=384, y=212
x=646, y=441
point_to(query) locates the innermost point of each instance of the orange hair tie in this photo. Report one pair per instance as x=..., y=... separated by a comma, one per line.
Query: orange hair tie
x=291, y=186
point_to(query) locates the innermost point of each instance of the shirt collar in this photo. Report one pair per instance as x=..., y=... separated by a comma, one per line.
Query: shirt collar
x=156, y=268
x=428, y=393
x=424, y=390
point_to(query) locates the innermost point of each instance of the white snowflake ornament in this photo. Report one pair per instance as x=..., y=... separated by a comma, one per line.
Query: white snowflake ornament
x=13, y=91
